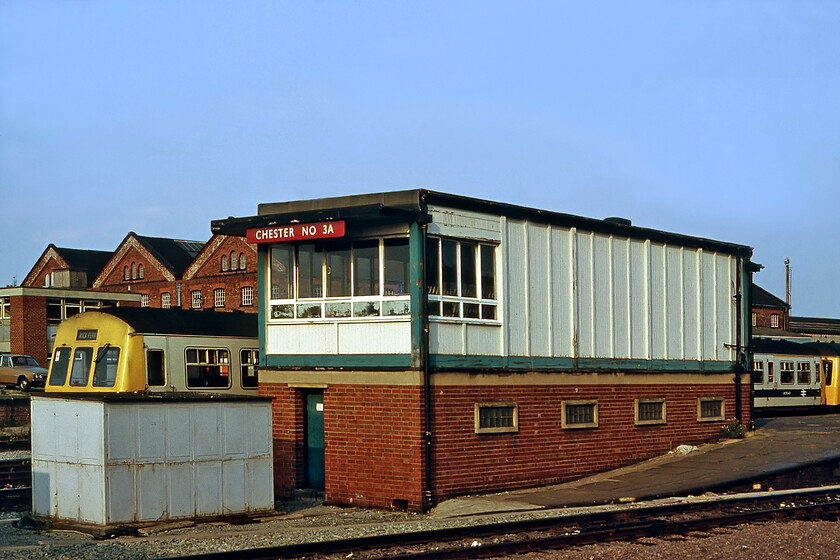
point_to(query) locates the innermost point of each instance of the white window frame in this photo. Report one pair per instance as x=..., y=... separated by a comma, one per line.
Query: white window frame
x=144, y=300
x=437, y=302
x=165, y=300
x=195, y=299
x=219, y=297
x=247, y=295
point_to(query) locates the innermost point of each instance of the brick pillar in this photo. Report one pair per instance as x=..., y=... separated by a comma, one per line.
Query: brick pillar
x=29, y=327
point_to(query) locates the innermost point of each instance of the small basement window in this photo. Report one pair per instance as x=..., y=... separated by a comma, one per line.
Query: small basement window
x=496, y=418
x=580, y=414
x=650, y=411
x=710, y=409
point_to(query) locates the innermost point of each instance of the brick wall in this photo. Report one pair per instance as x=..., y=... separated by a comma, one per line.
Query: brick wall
x=542, y=452
x=14, y=410
x=29, y=327
x=375, y=450
x=763, y=317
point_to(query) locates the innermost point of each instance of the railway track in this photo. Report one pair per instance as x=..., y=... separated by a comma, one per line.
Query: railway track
x=499, y=539
x=15, y=484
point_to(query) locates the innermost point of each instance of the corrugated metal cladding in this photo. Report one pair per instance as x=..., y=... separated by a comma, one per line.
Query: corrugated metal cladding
x=572, y=293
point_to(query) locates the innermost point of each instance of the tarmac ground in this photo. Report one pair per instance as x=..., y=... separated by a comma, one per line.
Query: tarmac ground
x=777, y=445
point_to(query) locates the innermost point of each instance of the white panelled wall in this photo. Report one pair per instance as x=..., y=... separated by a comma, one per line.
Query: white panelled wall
x=569, y=293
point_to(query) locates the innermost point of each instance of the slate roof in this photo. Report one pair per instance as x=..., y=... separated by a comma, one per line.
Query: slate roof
x=815, y=325
x=759, y=297
x=175, y=254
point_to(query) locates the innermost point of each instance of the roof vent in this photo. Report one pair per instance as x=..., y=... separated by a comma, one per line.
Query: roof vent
x=618, y=221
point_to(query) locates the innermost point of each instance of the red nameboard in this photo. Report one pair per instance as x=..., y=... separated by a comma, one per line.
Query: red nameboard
x=295, y=232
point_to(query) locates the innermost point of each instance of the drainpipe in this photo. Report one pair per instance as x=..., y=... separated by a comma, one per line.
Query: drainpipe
x=178, y=292
x=739, y=355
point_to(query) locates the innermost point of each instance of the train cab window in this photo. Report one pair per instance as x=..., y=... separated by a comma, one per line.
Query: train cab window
x=155, y=371
x=758, y=372
x=208, y=367
x=249, y=360
x=803, y=373
x=60, y=365
x=786, y=372
x=82, y=359
x=105, y=372
x=827, y=372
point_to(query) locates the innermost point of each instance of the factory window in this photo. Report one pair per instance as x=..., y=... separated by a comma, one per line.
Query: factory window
x=650, y=411
x=208, y=367
x=126, y=274
x=249, y=359
x=81, y=367
x=754, y=318
x=461, y=279
x=774, y=321
x=758, y=372
x=195, y=296
x=496, y=418
x=105, y=372
x=140, y=273
x=134, y=271
x=580, y=414
x=165, y=300
x=709, y=409
x=59, y=366
x=803, y=373
x=340, y=279
x=786, y=372
x=155, y=368
x=219, y=297
x=144, y=300
x=241, y=261
x=247, y=295
x=224, y=263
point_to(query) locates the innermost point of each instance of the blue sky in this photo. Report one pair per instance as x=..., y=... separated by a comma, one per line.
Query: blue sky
x=718, y=119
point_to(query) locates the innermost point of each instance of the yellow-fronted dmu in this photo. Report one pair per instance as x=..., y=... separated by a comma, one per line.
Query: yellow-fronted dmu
x=132, y=349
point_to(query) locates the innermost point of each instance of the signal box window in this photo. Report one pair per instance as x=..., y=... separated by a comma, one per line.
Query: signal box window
x=208, y=367
x=709, y=409
x=105, y=372
x=155, y=369
x=81, y=367
x=580, y=414
x=650, y=411
x=60, y=365
x=249, y=359
x=496, y=418
x=461, y=279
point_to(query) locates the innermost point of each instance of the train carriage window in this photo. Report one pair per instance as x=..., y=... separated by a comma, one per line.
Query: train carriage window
x=758, y=372
x=105, y=372
x=770, y=372
x=155, y=370
x=827, y=372
x=803, y=373
x=786, y=372
x=60, y=365
x=208, y=367
x=249, y=360
x=82, y=359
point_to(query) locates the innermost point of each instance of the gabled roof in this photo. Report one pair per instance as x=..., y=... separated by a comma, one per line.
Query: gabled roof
x=759, y=297
x=88, y=260
x=174, y=254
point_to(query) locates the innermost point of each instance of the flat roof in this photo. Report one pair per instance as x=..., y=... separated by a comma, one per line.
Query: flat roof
x=411, y=205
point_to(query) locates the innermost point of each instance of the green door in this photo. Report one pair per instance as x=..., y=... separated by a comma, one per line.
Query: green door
x=313, y=432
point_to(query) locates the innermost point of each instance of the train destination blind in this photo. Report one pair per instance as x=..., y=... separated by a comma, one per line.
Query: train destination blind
x=295, y=232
